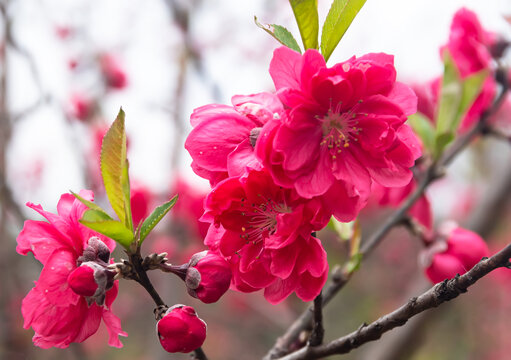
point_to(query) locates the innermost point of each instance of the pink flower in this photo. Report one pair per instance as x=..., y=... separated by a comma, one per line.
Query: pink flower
x=181, y=330
x=343, y=128
x=223, y=138
x=208, y=276
x=264, y=232
x=420, y=211
x=189, y=208
x=455, y=252
x=58, y=315
x=469, y=44
x=115, y=76
x=81, y=107
x=141, y=199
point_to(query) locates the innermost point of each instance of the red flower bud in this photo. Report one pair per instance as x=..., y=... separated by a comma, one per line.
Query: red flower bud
x=81, y=281
x=113, y=72
x=456, y=253
x=181, y=330
x=208, y=276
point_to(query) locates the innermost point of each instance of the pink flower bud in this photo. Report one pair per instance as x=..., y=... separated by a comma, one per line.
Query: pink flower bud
x=81, y=107
x=81, y=280
x=208, y=276
x=456, y=252
x=181, y=330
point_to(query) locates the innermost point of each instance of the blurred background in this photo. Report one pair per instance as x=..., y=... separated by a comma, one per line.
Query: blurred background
x=67, y=67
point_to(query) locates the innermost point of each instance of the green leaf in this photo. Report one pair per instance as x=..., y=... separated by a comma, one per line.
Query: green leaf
x=91, y=205
x=354, y=263
x=339, y=18
x=280, y=33
x=97, y=221
x=343, y=230
x=472, y=86
x=155, y=218
x=306, y=15
x=423, y=127
x=114, y=170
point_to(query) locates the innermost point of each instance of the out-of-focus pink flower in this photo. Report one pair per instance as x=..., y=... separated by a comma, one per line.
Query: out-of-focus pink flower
x=181, y=330
x=114, y=74
x=264, y=232
x=141, y=201
x=501, y=120
x=455, y=252
x=63, y=32
x=420, y=211
x=223, y=138
x=208, y=276
x=469, y=44
x=58, y=315
x=189, y=208
x=81, y=107
x=342, y=129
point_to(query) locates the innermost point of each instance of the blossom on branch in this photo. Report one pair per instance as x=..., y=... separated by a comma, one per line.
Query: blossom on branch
x=181, y=330
x=342, y=130
x=67, y=304
x=264, y=231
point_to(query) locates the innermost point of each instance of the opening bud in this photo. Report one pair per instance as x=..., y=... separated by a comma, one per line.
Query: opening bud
x=181, y=330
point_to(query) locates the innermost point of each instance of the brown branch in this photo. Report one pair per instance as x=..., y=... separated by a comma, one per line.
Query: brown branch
x=318, y=332
x=437, y=295
x=435, y=170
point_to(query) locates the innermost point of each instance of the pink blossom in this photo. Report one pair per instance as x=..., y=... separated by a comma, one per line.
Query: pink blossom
x=189, y=208
x=81, y=107
x=208, y=276
x=181, y=330
x=141, y=202
x=222, y=141
x=455, y=252
x=264, y=232
x=343, y=128
x=421, y=209
x=58, y=315
x=469, y=43
x=113, y=72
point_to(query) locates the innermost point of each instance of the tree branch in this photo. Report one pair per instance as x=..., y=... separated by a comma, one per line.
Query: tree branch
x=437, y=295
x=318, y=332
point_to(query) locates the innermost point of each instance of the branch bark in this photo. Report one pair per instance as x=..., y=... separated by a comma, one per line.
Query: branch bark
x=437, y=295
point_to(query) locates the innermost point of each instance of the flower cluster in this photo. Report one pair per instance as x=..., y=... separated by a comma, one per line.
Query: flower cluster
x=75, y=290
x=282, y=164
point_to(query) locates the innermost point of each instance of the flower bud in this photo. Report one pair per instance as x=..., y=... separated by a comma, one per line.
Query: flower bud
x=81, y=281
x=181, y=330
x=208, y=276
x=456, y=252
x=113, y=72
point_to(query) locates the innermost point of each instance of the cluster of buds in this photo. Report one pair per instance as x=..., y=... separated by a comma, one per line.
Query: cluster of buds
x=93, y=278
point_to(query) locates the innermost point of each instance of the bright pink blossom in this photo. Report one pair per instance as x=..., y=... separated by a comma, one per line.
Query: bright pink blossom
x=181, y=330
x=223, y=137
x=113, y=72
x=455, y=252
x=58, y=315
x=264, y=231
x=343, y=128
x=208, y=276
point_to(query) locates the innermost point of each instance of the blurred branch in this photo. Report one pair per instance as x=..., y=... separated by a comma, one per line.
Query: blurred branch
x=318, y=332
x=437, y=295
x=434, y=171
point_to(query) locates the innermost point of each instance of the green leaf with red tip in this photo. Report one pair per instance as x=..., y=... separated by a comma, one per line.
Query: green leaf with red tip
x=339, y=18
x=114, y=170
x=281, y=34
x=306, y=15
x=155, y=217
x=102, y=223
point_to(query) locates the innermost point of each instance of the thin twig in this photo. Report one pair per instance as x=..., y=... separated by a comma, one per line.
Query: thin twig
x=318, y=332
x=437, y=295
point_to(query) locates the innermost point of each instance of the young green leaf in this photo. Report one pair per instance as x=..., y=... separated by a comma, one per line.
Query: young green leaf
x=339, y=18
x=114, y=170
x=423, y=127
x=91, y=205
x=155, y=218
x=97, y=221
x=472, y=86
x=281, y=34
x=306, y=15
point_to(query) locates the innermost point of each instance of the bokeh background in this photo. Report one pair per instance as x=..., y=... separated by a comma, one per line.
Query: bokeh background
x=67, y=67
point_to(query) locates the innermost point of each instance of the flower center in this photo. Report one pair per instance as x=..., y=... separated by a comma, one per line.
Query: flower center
x=339, y=128
x=261, y=219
